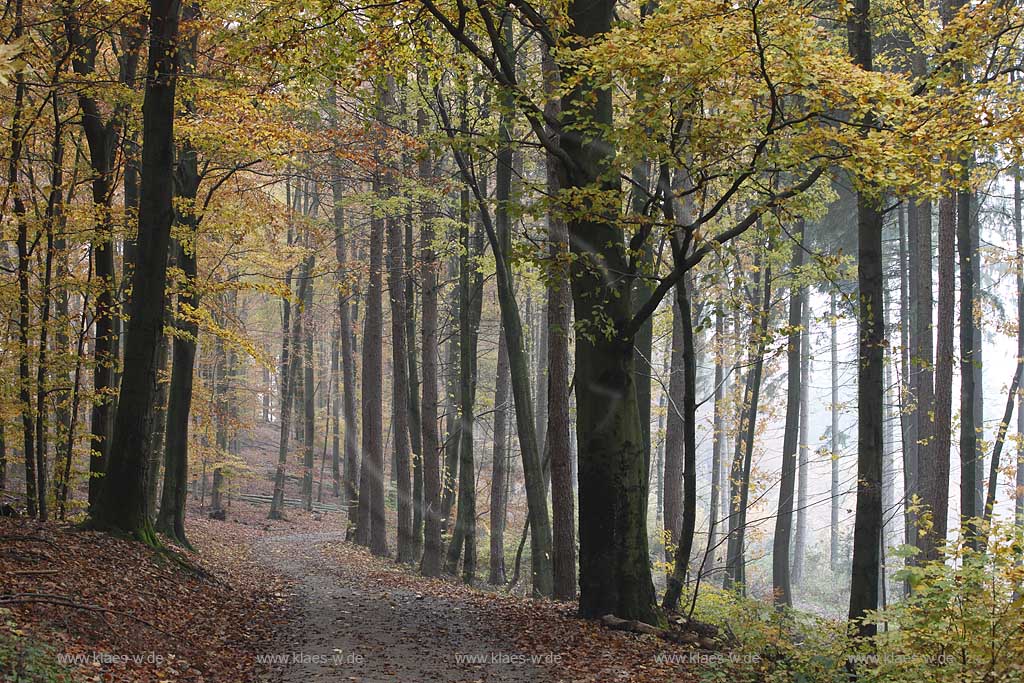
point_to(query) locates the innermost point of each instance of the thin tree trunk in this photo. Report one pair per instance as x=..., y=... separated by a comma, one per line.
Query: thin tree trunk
x=689, y=409
x=934, y=473
x=290, y=335
x=42, y=488
x=499, y=468
x=541, y=373
x=370, y=523
x=803, y=458
x=334, y=399
x=536, y=493
x=348, y=375
x=977, y=365
x=674, y=440
x=1018, y=231
x=308, y=389
x=867, y=534
x=24, y=310
x=400, y=388
x=558, y=450
x=782, y=588
x=160, y=430
x=735, y=569
x=834, y=498
x=3, y=459
x=430, y=563
x=415, y=418
x=969, y=453
x=464, y=535
x=219, y=402
x=452, y=439
x=993, y=479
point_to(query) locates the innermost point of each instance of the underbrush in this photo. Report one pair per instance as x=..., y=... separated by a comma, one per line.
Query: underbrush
x=963, y=622
x=23, y=659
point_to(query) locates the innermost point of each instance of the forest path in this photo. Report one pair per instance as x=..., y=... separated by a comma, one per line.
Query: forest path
x=356, y=625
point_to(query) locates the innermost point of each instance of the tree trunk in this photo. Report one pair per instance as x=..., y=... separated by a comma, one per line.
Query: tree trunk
x=558, y=449
x=121, y=502
x=803, y=459
x=1018, y=231
x=160, y=430
x=735, y=564
x=370, y=523
x=864, y=586
x=308, y=389
x=934, y=473
x=335, y=412
x=464, y=534
x=171, y=519
x=348, y=374
x=834, y=498
x=541, y=373
x=782, y=589
x=219, y=401
x=3, y=458
x=24, y=311
x=689, y=408
x=42, y=488
x=415, y=424
x=499, y=468
x=290, y=336
x=430, y=564
x=615, y=574
x=400, y=389
x=452, y=440
x=970, y=455
x=674, y=439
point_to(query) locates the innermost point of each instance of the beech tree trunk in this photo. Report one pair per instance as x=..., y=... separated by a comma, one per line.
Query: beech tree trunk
x=121, y=501
x=499, y=236
x=735, y=564
x=308, y=388
x=615, y=574
x=803, y=459
x=335, y=416
x=430, y=562
x=782, y=588
x=170, y=520
x=499, y=468
x=400, y=390
x=834, y=498
x=415, y=419
x=970, y=454
x=348, y=372
x=370, y=521
x=674, y=439
x=559, y=451
x=864, y=585
x=933, y=476
x=463, y=540
x=1018, y=231
x=684, y=545
x=290, y=331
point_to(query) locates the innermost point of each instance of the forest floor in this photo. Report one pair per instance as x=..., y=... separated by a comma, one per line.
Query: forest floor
x=286, y=601
x=368, y=619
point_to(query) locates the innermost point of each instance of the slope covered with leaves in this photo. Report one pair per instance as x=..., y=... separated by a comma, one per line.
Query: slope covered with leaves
x=107, y=609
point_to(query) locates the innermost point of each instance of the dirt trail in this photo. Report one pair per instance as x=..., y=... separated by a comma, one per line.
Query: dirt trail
x=355, y=629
